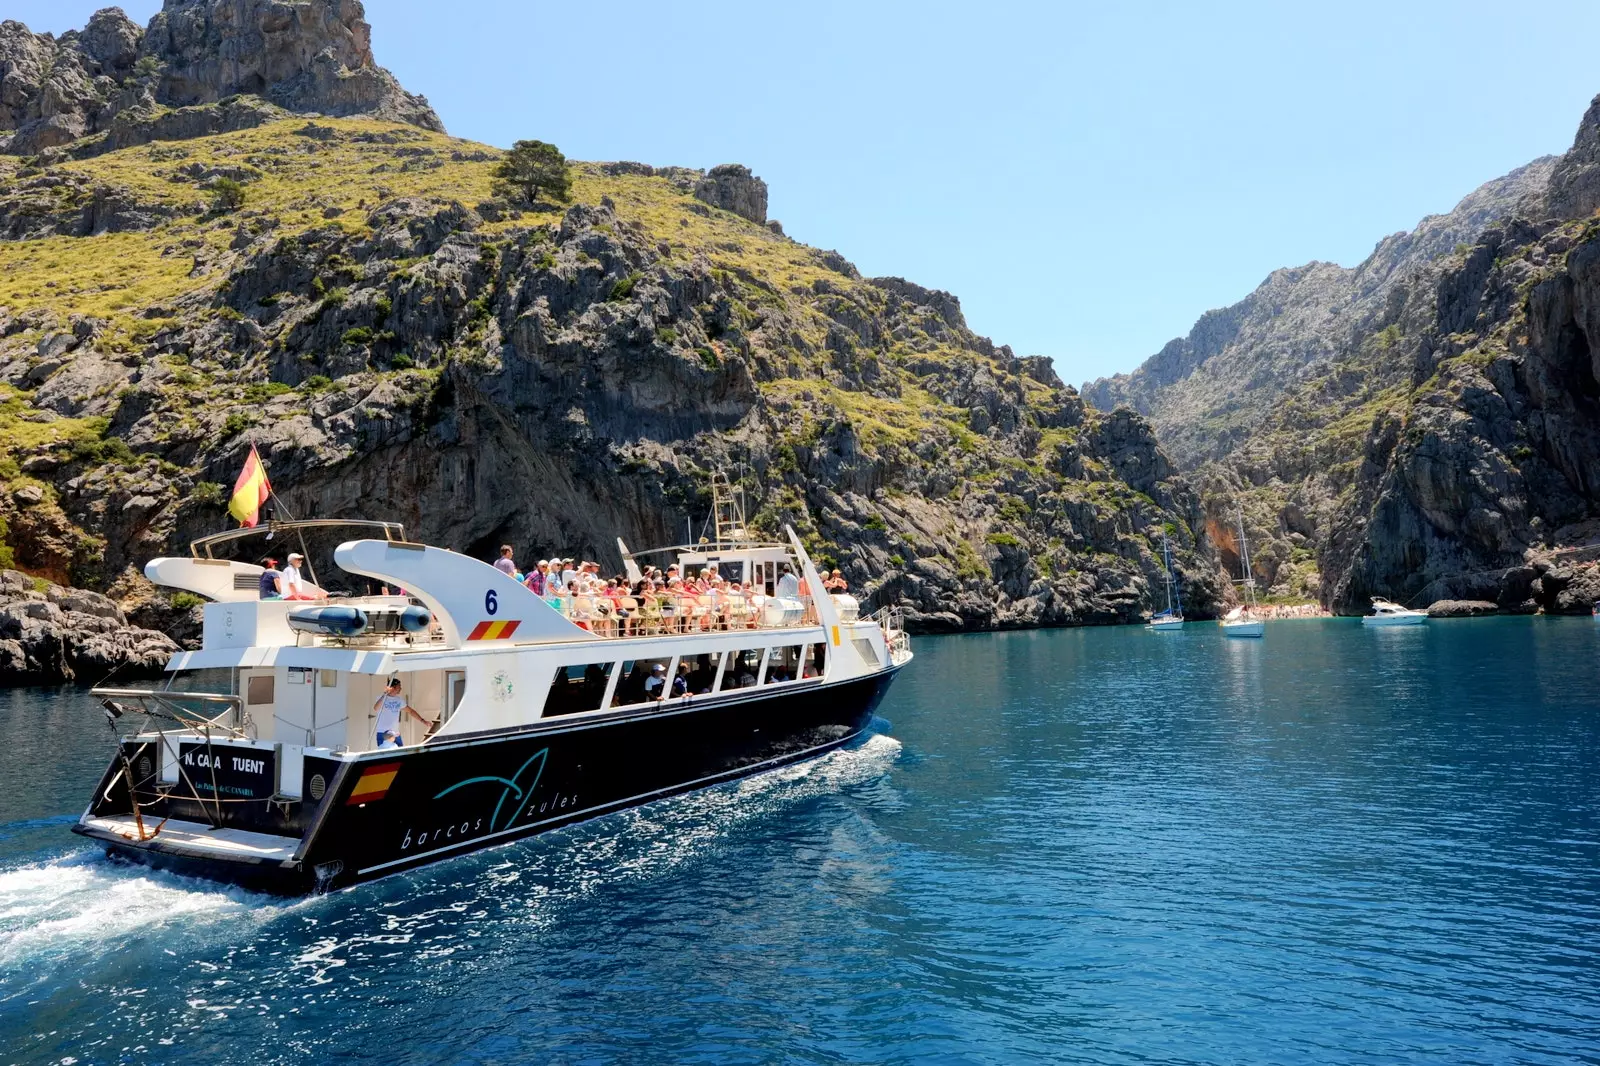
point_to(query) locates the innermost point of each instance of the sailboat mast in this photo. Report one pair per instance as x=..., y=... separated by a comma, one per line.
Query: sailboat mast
x=1244, y=555
x=1166, y=562
x=1177, y=586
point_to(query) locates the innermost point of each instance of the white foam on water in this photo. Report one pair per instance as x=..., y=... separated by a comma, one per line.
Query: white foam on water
x=647, y=842
x=80, y=907
x=84, y=903
x=529, y=883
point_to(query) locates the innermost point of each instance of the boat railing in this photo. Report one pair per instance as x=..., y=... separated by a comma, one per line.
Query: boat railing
x=658, y=615
x=198, y=711
x=891, y=619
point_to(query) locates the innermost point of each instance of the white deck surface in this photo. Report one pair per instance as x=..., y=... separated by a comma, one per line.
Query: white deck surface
x=224, y=843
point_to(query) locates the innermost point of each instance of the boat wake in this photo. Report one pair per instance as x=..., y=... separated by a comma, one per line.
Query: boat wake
x=85, y=904
x=83, y=907
x=660, y=836
x=440, y=910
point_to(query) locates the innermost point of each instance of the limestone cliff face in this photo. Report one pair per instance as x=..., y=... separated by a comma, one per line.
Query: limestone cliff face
x=1447, y=448
x=50, y=634
x=732, y=187
x=1212, y=389
x=400, y=344
x=312, y=56
x=1493, y=459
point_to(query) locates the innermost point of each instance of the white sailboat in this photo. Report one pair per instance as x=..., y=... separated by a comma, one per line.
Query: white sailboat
x=1241, y=621
x=1170, y=620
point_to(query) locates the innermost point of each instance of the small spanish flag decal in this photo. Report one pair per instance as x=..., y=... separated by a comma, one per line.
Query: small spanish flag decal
x=493, y=630
x=374, y=783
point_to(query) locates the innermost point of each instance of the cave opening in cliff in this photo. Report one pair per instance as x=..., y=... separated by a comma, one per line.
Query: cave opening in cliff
x=1580, y=358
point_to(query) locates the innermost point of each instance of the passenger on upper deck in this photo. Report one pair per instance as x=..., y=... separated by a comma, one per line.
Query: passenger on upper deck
x=271, y=580
x=788, y=584
x=294, y=586
x=505, y=564
x=836, y=582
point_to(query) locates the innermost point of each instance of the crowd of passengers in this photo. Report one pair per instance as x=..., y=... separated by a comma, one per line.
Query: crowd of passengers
x=667, y=598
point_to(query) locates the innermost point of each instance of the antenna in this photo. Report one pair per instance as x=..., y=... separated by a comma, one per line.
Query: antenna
x=727, y=510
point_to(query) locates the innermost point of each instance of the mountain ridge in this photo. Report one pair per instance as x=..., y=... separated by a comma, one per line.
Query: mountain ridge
x=1205, y=391
x=398, y=340
x=1441, y=448
x=105, y=86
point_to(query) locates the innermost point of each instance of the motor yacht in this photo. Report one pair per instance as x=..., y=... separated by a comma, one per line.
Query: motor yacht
x=1385, y=613
x=257, y=761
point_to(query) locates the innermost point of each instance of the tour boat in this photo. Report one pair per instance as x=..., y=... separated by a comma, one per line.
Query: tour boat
x=534, y=716
x=1385, y=613
x=1241, y=622
x=1170, y=620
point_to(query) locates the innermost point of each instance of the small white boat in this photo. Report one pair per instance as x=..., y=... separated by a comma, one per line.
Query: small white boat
x=1170, y=620
x=1239, y=622
x=1385, y=613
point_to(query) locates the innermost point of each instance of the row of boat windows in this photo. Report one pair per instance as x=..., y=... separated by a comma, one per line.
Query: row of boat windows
x=583, y=687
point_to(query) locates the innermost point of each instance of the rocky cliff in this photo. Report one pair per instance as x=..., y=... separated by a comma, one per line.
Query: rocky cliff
x=1443, y=448
x=400, y=344
x=50, y=634
x=112, y=82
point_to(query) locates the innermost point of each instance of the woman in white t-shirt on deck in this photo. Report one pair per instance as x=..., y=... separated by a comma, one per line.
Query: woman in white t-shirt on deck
x=389, y=707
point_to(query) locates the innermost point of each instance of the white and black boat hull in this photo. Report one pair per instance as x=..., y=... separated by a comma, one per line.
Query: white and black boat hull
x=392, y=810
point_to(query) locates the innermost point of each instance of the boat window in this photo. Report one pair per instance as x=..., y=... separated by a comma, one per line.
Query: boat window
x=455, y=690
x=699, y=672
x=783, y=664
x=259, y=690
x=868, y=653
x=731, y=570
x=578, y=688
x=743, y=669
x=634, y=687
x=816, y=661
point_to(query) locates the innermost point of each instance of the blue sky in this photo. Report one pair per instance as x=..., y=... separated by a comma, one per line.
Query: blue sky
x=1087, y=178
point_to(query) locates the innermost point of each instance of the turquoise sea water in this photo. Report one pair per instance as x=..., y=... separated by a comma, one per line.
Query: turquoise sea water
x=1098, y=846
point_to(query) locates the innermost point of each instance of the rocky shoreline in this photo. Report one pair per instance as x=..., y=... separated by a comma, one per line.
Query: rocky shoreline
x=50, y=634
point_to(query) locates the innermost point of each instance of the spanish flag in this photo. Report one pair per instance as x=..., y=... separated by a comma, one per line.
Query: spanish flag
x=250, y=491
x=374, y=784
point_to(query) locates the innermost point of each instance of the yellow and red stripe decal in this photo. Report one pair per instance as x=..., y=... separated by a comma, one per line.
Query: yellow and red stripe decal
x=493, y=630
x=374, y=783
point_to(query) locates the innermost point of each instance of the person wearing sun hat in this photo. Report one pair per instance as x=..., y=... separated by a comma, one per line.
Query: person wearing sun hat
x=294, y=586
x=655, y=686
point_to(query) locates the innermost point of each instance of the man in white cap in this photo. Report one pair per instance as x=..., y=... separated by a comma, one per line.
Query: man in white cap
x=294, y=586
x=655, y=686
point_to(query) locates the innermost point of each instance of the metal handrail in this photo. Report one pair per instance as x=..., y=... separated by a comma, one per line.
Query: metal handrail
x=392, y=531
x=154, y=701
